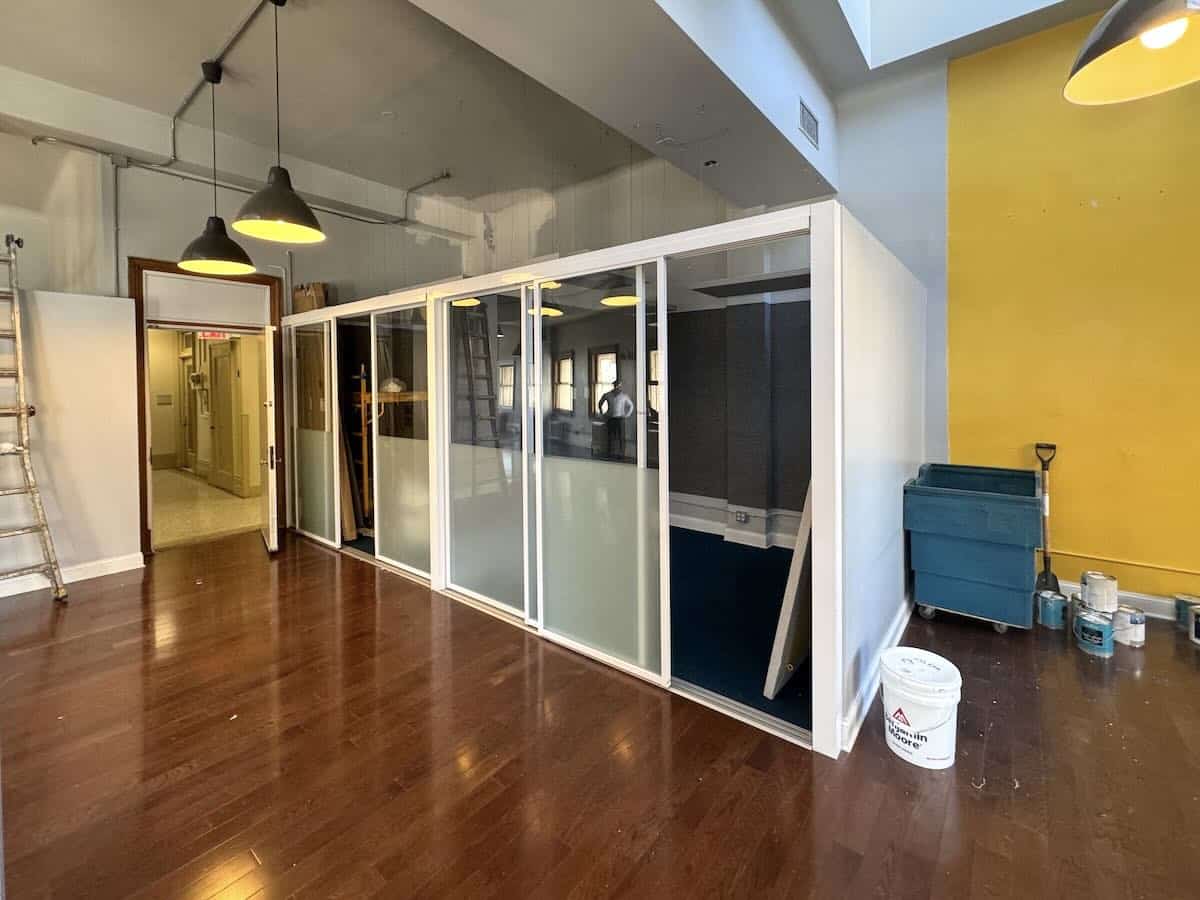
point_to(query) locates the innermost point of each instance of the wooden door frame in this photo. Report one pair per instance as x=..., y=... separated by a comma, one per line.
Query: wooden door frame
x=138, y=266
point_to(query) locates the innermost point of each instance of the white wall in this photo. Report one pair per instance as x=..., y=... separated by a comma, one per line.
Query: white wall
x=883, y=365
x=901, y=28
x=82, y=379
x=53, y=198
x=893, y=179
x=746, y=42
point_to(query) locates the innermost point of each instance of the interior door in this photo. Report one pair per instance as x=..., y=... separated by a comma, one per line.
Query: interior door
x=222, y=473
x=268, y=459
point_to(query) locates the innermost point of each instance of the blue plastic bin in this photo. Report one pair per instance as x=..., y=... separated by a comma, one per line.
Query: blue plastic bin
x=973, y=532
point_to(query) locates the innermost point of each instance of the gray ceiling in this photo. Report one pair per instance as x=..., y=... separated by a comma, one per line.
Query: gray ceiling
x=377, y=88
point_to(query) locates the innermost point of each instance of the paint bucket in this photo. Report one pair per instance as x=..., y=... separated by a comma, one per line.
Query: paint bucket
x=1094, y=632
x=921, y=691
x=1194, y=624
x=1129, y=626
x=1183, y=603
x=1052, y=610
x=1099, y=592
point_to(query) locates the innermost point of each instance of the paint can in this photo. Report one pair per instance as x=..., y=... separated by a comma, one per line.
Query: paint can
x=1129, y=626
x=1094, y=632
x=1183, y=603
x=1099, y=592
x=1052, y=610
x=1194, y=624
x=921, y=691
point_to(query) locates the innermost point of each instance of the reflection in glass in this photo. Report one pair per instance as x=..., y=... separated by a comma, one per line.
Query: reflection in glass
x=314, y=432
x=485, y=469
x=599, y=502
x=401, y=402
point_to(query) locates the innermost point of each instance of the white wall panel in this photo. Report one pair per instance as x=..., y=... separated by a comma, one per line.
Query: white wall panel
x=883, y=360
x=82, y=377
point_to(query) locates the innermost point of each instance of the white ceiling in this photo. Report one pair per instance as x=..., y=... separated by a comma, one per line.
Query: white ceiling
x=377, y=88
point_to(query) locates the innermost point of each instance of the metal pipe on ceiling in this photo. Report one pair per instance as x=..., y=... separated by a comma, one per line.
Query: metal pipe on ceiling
x=191, y=95
x=132, y=163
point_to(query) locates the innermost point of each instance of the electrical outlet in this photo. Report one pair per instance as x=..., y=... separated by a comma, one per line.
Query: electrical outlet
x=741, y=517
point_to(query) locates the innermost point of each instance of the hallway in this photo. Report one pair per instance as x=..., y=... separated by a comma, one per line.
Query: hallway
x=187, y=509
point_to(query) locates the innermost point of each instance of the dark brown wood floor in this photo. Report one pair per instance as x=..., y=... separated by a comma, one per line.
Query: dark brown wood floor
x=225, y=726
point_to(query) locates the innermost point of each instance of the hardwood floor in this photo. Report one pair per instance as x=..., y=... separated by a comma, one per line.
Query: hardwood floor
x=226, y=726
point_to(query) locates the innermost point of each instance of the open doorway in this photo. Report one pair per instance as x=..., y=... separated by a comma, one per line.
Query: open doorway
x=206, y=393
x=741, y=432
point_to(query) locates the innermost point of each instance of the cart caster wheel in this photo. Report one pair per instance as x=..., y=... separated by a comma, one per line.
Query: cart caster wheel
x=999, y=627
x=926, y=612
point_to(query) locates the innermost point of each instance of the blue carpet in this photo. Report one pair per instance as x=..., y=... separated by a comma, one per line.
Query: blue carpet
x=725, y=602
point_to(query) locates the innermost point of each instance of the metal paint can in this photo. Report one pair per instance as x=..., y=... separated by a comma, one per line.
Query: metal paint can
x=1183, y=603
x=1099, y=591
x=1094, y=633
x=1129, y=626
x=1052, y=610
x=1194, y=624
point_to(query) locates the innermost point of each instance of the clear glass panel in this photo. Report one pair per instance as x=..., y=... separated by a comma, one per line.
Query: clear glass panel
x=314, y=432
x=400, y=399
x=600, y=499
x=487, y=546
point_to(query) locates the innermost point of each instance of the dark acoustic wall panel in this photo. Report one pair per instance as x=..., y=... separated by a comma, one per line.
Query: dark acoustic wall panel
x=791, y=404
x=697, y=397
x=748, y=404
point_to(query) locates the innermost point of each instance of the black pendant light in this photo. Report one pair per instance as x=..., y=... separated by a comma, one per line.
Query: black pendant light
x=1140, y=48
x=277, y=213
x=215, y=252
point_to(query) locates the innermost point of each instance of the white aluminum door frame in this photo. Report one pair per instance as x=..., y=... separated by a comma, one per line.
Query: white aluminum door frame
x=395, y=563
x=292, y=402
x=444, y=302
x=822, y=222
x=661, y=678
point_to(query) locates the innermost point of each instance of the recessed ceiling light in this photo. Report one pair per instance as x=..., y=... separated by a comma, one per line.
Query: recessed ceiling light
x=465, y=302
x=621, y=300
x=388, y=114
x=550, y=312
x=711, y=164
x=551, y=285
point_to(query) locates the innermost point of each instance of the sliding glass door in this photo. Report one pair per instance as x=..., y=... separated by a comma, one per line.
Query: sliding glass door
x=400, y=421
x=314, y=434
x=598, y=501
x=485, y=429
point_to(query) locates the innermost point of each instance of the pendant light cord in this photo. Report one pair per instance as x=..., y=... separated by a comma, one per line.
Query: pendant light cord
x=213, y=91
x=278, y=154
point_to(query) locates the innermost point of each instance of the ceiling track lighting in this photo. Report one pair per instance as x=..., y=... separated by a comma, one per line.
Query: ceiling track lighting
x=215, y=252
x=277, y=213
x=1139, y=49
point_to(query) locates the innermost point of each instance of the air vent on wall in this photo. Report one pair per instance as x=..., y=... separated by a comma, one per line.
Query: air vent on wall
x=809, y=125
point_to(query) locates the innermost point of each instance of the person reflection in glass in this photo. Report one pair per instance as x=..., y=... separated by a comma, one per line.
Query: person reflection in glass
x=616, y=407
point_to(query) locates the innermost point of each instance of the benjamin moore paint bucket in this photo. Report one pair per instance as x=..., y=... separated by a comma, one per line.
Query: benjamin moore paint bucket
x=1094, y=632
x=921, y=691
x=1052, y=610
x=1129, y=626
x=1099, y=592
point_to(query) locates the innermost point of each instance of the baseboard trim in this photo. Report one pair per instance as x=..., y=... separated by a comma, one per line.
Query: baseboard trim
x=1151, y=604
x=72, y=574
x=852, y=721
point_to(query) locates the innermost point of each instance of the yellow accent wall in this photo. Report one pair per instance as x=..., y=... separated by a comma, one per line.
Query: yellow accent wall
x=1074, y=303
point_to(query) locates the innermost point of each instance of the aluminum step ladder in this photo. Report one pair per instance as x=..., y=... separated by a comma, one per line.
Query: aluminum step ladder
x=476, y=388
x=20, y=414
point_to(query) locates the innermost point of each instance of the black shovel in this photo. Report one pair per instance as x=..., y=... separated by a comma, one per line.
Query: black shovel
x=1046, y=580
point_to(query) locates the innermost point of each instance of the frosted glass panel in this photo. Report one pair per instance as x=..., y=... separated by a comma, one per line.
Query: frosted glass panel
x=316, y=513
x=401, y=408
x=486, y=485
x=600, y=496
